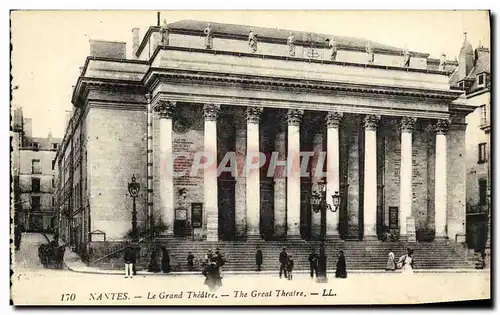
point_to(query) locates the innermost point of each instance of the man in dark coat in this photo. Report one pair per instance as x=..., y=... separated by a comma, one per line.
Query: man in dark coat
x=190, y=261
x=313, y=263
x=153, y=263
x=283, y=262
x=165, y=260
x=258, y=258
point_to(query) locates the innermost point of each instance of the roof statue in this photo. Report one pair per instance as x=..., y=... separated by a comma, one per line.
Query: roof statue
x=209, y=39
x=369, y=51
x=291, y=45
x=164, y=33
x=252, y=41
x=333, y=48
x=407, y=57
x=442, y=62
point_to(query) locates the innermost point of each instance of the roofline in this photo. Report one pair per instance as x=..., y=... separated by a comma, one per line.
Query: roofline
x=182, y=31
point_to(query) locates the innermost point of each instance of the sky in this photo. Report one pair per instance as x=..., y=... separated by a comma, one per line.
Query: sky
x=50, y=46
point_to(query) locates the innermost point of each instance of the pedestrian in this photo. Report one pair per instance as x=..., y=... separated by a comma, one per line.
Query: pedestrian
x=283, y=262
x=219, y=260
x=313, y=263
x=341, y=271
x=391, y=265
x=258, y=258
x=153, y=263
x=209, y=256
x=165, y=260
x=17, y=237
x=406, y=262
x=130, y=258
x=190, y=261
x=289, y=267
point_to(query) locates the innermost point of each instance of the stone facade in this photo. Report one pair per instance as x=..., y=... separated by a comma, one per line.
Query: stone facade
x=224, y=100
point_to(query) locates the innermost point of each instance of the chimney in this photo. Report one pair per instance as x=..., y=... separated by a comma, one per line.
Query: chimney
x=135, y=41
x=28, y=127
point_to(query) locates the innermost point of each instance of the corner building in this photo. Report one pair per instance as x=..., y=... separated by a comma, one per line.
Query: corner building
x=394, y=135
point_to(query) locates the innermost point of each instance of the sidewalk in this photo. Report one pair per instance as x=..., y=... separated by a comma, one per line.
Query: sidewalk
x=74, y=263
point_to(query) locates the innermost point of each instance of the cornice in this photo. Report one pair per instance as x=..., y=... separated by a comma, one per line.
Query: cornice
x=84, y=85
x=155, y=75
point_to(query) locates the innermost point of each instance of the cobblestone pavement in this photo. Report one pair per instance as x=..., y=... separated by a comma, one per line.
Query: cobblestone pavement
x=32, y=284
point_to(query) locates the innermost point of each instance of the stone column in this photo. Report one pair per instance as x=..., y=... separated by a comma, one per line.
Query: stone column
x=240, y=188
x=405, y=182
x=440, y=185
x=210, y=186
x=316, y=171
x=333, y=171
x=165, y=110
x=293, y=173
x=370, y=174
x=253, y=174
x=280, y=182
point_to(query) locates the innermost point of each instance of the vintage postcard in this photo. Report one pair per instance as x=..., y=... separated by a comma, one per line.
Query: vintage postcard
x=250, y=157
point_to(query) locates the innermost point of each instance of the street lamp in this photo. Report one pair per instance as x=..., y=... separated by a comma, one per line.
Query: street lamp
x=133, y=188
x=319, y=202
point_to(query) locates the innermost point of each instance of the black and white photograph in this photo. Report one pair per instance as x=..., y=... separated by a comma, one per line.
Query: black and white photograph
x=250, y=158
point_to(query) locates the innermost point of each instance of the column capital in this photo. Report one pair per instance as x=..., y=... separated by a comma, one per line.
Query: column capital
x=294, y=116
x=442, y=126
x=148, y=97
x=253, y=114
x=333, y=119
x=165, y=109
x=370, y=122
x=211, y=112
x=407, y=124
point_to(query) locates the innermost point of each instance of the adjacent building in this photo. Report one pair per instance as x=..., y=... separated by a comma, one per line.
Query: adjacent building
x=32, y=165
x=392, y=129
x=472, y=76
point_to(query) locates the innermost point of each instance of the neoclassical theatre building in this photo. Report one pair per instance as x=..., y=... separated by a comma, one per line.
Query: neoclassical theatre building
x=392, y=129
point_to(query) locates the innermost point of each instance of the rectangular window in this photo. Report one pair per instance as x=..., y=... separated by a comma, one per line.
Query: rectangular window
x=53, y=202
x=35, y=203
x=480, y=80
x=482, y=153
x=53, y=183
x=36, y=167
x=484, y=115
x=35, y=185
x=482, y=192
x=54, y=146
x=35, y=145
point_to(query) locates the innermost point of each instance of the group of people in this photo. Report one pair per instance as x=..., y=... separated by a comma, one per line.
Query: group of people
x=130, y=259
x=51, y=255
x=317, y=264
x=212, y=266
x=405, y=262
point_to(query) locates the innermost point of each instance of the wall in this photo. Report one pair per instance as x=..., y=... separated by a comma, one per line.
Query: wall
x=456, y=179
x=116, y=149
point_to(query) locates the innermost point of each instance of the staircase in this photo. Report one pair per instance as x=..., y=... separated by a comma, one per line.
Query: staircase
x=365, y=255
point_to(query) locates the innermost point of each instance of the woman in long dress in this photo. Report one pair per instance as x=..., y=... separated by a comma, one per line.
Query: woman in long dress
x=341, y=271
x=407, y=262
x=391, y=265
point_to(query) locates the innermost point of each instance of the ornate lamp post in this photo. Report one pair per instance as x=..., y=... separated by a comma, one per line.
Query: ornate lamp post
x=319, y=202
x=134, y=188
